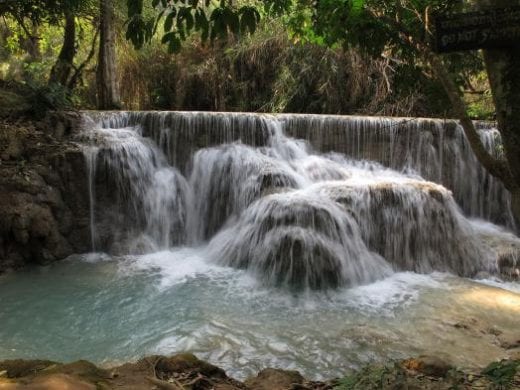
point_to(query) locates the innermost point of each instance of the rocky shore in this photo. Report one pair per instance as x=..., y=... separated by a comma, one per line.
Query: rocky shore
x=186, y=372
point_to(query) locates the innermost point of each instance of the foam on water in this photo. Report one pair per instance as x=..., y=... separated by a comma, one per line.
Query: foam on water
x=174, y=267
x=174, y=301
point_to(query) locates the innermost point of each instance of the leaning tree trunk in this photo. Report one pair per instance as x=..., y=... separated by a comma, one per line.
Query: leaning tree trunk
x=107, y=86
x=64, y=65
x=503, y=68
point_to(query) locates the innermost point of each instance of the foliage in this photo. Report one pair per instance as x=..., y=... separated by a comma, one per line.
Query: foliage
x=42, y=11
x=372, y=377
x=305, y=62
x=502, y=373
x=268, y=72
x=180, y=18
x=32, y=99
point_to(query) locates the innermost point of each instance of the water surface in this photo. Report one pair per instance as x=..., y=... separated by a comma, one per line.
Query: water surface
x=109, y=310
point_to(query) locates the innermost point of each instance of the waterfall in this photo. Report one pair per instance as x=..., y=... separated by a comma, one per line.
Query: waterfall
x=432, y=148
x=148, y=198
x=299, y=201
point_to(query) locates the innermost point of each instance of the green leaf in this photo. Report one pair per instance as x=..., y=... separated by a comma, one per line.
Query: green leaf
x=231, y=20
x=168, y=37
x=175, y=45
x=249, y=19
x=168, y=22
x=357, y=6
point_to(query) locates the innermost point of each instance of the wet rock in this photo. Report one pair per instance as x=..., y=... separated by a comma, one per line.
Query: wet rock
x=511, y=342
x=466, y=324
x=428, y=365
x=509, y=264
x=493, y=330
x=187, y=362
x=19, y=368
x=274, y=379
x=414, y=225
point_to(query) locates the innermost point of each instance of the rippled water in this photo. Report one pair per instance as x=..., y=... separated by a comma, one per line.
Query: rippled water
x=110, y=310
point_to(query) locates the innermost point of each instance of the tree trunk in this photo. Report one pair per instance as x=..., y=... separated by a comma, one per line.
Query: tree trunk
x=493, y=165
x=33, y=44
x=63, y=67
x=107, y=85
x=503, y=69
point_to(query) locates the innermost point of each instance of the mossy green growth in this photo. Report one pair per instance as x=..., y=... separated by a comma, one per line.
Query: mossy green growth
x=370, y=377
x=503, y=372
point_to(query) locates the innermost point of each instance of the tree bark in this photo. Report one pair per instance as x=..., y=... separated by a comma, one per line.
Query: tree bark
x=503, y=72
x=503, y=69
x=496, y=167
x=33, y=44
x=64, y=65
x=107, y=85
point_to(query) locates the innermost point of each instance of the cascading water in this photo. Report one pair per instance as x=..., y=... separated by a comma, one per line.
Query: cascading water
x=268, y=203
x=201, y=214
x=434, y=149
x=149, y=198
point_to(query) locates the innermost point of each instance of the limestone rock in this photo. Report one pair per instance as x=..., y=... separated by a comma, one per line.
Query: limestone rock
x=187, y=362
x=274, y=379
x=43, y=199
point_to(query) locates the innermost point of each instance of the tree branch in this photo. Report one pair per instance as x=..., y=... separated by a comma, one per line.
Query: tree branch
x=79, y=70
x=496, y=167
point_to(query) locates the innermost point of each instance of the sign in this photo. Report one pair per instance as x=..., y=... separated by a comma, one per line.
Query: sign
x=493, y=28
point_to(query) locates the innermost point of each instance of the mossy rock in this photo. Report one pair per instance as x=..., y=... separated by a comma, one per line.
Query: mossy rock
x=274, y=379
x=20, y=368
x=12, y=104
x=187, y=362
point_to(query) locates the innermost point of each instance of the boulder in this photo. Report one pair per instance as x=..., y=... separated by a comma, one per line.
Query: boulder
x=274, y=379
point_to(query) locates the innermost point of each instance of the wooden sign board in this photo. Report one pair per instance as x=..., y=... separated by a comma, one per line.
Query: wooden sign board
x=488, y=29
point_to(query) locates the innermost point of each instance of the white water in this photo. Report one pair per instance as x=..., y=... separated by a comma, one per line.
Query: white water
x=291, y=216
x=231, y=240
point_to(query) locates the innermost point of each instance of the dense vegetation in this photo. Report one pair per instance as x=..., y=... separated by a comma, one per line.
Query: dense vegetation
x=283, y=67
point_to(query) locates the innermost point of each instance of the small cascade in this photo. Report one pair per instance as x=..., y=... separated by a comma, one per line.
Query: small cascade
x=147, y=197
x=299, y=240
x=295, y=212
x=228, y=179
x=434, y=149
x=408, y=222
